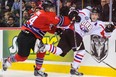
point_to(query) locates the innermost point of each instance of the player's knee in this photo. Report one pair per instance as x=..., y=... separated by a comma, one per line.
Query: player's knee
x=23, y=53
x=20, y=58
x=59, y=51
x=63, y=54
x=83, y=52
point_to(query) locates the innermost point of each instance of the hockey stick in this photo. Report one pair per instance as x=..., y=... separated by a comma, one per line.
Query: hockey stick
x=103, y=62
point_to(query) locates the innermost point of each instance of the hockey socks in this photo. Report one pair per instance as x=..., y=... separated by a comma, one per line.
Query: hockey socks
x=78, y=56
x=16, y=58
x=53, y=49
x=39, y=60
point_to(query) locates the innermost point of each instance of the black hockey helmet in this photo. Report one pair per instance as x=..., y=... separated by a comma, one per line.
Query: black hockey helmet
x=95, y=10
x=74, y=14
x=47, y=4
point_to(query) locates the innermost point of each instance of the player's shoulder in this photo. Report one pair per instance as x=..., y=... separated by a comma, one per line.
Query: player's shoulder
x=85, y=12
x=100, y=22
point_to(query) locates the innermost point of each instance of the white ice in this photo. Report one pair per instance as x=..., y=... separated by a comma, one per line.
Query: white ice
x=14, y=73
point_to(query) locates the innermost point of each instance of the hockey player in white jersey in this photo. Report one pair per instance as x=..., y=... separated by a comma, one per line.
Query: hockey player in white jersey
x=89, y=23
x=72, y=37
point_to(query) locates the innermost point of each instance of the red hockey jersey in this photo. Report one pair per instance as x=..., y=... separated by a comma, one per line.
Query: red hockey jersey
x=42, y=22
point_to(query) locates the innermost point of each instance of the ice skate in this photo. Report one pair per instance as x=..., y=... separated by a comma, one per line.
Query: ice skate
x=74, y=72
x=41, y=47
x=39, y=73
x=6, y=64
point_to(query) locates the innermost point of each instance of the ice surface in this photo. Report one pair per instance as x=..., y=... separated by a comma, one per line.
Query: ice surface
x=14, y=73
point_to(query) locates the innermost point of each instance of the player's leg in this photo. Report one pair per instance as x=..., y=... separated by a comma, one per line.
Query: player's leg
x=63, y=47
x=39, y=58
x=78, y=54
x=39, y=62
x=70, y=42
x=25, y=42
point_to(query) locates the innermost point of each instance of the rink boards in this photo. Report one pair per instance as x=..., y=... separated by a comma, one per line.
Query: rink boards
x=58, y=64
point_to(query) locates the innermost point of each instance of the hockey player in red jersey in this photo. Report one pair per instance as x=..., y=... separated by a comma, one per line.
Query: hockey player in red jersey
x=36, y=27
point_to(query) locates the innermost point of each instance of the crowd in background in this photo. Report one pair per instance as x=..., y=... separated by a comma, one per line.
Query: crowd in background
x=10, y=9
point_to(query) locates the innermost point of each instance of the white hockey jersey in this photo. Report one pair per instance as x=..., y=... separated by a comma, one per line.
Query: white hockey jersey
x=87, y=27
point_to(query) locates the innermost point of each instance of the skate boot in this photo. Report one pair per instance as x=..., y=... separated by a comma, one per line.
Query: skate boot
x=6, y=64
x=41, y=47
x=75, y=72
x=39, y=73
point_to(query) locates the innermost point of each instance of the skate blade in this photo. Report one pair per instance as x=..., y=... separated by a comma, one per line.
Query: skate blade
x=76, y=75
x=41, y=76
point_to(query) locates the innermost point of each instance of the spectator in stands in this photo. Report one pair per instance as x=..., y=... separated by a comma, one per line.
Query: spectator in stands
x=23, y=6
x=0, y=8
x=11, y=22
x=33, y=7
x=2, y=2
x=16, y=5
x=78, y=3
x=101, y=8
x=27, y=0
x=16, y=14
x=107, y=8
x=1, y=22
x=65, y=8
x=25, y=16
x=28, y=4
x=95, y=2
x=67, y=3
x=8, y=4
x=5, y=18
x=114, y=12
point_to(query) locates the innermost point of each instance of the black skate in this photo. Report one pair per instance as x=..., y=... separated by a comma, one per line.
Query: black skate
x=39, y=73
x=75, y=72
x=6, y=64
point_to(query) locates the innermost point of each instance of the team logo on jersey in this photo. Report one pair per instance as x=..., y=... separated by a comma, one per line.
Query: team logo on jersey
x=99, y=48
x=86, y=18
x=85, y=26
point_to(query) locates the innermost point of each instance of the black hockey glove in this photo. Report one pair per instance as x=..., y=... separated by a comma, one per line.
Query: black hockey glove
x=58, y=31
x=73, y=15
x=109, y=28
x=114, y=23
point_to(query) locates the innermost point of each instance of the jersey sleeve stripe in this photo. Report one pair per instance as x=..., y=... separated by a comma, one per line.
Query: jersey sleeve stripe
x=61, y=21
x=82, y=13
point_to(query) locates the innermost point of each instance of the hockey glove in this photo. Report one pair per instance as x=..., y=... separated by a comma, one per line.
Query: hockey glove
x=58, y=31
x=73, y=15
x=109, y=28
x=114, y=23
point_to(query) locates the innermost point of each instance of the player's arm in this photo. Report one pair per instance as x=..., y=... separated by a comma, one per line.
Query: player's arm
x=109, y=29
x=59, y=21
x=65, y=20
